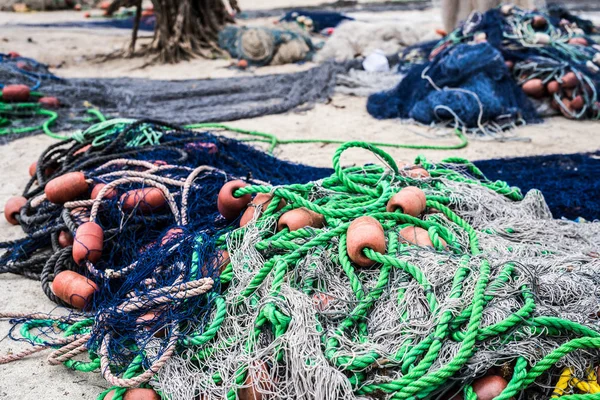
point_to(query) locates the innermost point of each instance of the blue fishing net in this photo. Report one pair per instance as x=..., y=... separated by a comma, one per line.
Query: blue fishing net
x=473, y=77
x=566, y=180
x=485, y=87
x=147, y=23
x=320, y=19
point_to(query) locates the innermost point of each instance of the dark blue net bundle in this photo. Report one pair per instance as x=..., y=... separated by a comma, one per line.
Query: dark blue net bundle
x=566, y=180
x=315, y=20
x=495, y=72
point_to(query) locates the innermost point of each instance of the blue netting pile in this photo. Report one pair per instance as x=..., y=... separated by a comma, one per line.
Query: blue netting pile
x=474, y=76
x=147, y=23
x=567, y=181
x=319, y=19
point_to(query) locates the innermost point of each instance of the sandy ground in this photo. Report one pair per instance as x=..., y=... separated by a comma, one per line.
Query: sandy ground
x=344, y=118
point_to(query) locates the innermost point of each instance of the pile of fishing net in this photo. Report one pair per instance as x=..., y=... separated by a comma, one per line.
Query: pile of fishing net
x=79, y=102
x=478, y=75
x=397, y=281
x=261, y=46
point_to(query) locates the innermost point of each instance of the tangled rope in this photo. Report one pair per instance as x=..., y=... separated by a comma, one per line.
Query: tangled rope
x=398, y=281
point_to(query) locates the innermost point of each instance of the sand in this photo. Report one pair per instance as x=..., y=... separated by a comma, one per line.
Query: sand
x=343, y=118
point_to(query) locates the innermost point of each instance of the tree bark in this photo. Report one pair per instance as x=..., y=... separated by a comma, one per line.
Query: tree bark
x=186, y=29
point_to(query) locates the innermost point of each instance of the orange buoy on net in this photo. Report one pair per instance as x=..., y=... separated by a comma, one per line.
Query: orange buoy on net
x=534, y=88
x=13, y=207
x=15, y=93
x=49, y=102
x=172, y=234
x=569, y=80
x=33, y=170
x=229, y=206
x=417, y=173
x=263, y=200
x=74, y=289
x=110, y=194
x=415, y=235
x=300, y=218
x=578, y=41
x=146, y=199
x=223, y=261
x=411, y=200
x=553, y=87
x=242, y=64
x=66, y=187
x=539, y=22
x=257, y=382
x=88, y=243
x=489, y=387
x=147, y=318
x=24, y=66
x=65, y=239
x=13, y=54
x=135, y=394
x=321, y=301
x=364, y=233
x=577, y=103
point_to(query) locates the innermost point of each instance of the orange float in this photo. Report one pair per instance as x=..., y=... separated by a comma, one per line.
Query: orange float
x=230, y=206
x=364, y=232
x=146, y=199
x=66, y=187
x=300, y=218
x=88, y=243
x=74, y=289
x=13, y=207
x=15, y=93
x=411, y=200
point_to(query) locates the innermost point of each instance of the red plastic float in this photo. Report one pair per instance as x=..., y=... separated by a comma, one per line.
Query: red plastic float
x=364, y=232
x=111, y=194
x=66, y=187
x=300, y=218
x=146, y=199
x=13, y=207
x=65, y=239
x=89, y=240
x=411, y=200
x=16, y=93
x=74, y=289
x=262, y=199
x=230, y=206
x=135, y=394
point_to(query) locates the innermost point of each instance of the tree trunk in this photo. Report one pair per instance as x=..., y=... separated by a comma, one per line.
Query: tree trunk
x=188, y=28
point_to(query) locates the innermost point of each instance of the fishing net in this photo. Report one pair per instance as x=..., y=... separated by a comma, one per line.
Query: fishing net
x=379, y=281
x=315, y=20
x=564, y=179
x=267, y=46
x=151, y=190
x=474, y=76
x=182, y=102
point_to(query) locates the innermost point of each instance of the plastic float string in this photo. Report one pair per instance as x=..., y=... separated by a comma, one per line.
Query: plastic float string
x=407, y=281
